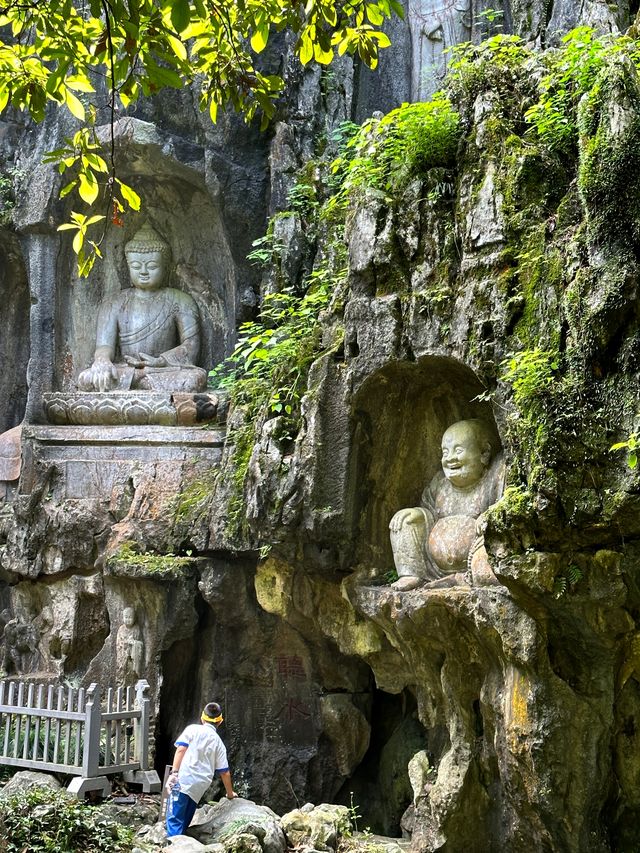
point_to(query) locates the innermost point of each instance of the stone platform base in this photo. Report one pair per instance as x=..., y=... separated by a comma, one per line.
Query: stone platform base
x=101, y=463
x=149, y=780
x=80, y=786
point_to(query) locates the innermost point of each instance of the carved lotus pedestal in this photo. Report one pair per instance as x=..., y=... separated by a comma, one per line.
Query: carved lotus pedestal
x=135, y=408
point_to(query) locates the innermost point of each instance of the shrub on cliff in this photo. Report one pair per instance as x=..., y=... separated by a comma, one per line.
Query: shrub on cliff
x=387, y=153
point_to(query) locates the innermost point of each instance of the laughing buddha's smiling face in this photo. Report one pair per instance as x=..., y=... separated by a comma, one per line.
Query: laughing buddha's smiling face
x=465, y=455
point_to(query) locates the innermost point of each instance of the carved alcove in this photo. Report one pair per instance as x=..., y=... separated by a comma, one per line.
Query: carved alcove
x=14, y=331
x=179, y=205
x=400, y=414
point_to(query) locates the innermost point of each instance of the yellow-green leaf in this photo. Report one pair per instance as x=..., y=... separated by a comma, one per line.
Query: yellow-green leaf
x=374, y=14
x=74, y=105
x=178, y=47
x=130, y=196
x=79, y=84
x=213, y=110
x=321, y=56
x=306, y=48
x=88, y=188
x=259, y=38
x=382, y=39
x=78, y=240
x=66, y=190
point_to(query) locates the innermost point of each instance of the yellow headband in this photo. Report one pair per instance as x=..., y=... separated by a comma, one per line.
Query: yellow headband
x=208, y=719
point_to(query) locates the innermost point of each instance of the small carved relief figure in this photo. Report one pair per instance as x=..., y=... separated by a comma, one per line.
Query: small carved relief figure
x=129, y=649
x=10, y=454
x=148, y=335
x=20, y=647
x=436, y=26
x=435, y=542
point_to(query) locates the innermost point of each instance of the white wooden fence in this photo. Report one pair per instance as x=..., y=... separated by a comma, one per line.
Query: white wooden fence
x=67, y=730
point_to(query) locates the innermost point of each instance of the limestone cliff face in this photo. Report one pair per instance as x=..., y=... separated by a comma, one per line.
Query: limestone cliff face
x=266, y=583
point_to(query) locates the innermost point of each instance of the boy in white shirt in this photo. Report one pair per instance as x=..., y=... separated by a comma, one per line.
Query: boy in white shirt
x=200, y=754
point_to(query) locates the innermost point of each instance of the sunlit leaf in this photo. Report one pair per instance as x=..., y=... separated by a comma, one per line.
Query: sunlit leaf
x=178, y=47
x=66, y=190
x=259, y=39
x=78, y=240
x=79, y=84
x=130, y=196
x=88, y=187
x=75, y=106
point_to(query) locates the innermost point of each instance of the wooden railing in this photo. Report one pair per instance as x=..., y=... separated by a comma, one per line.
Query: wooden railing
x=66, y=730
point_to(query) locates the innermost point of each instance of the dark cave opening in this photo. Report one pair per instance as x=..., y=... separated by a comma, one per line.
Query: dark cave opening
x=379, y=788
x=179, y=663
x=176, y=707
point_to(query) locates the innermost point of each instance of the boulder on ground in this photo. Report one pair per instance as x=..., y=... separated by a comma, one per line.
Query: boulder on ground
x=318, y=827
x=153, y=834
x=24, y=780
x=139, y=812
x=240, y=825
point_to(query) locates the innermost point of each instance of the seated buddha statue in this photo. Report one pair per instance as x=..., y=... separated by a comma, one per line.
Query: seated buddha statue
x=438, y=541
x=148, y=335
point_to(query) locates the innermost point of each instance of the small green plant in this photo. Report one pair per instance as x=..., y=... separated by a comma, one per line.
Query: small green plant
x=302, y=199
x=494, y=64
x=390, y=576
x=530, y=373
x=343, y=134
x=268, y=368
x=266, y=250
x=354, y=812
x=44, y=821
x=631, y=445
x=490, y=20
x=435, y=297
x=567, y=581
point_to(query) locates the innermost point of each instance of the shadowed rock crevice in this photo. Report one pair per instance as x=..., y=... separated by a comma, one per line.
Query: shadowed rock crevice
x=380, y=786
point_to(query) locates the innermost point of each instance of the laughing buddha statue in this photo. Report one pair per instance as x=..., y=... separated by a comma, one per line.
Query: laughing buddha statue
x=435, y=543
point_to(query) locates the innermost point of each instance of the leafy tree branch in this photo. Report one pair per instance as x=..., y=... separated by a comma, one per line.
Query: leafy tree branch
x=53, y=52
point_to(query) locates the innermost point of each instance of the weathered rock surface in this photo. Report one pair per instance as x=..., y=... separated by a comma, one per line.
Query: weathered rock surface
x=24, y=780
x=318, y=827
x=141, y=812
x=240, y=825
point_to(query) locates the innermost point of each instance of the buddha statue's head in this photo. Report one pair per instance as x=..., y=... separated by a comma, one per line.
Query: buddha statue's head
x=148, y=259
x=129, y=617
x=467, y=448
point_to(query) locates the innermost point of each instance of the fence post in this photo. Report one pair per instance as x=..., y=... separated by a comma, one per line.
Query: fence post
x=92, y=723
x=146, y=776
x=143, y=704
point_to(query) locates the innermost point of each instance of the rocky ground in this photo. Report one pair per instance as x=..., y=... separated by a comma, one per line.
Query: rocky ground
x=228, y=826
